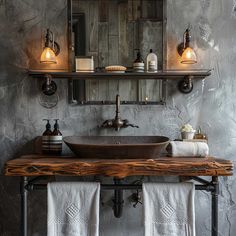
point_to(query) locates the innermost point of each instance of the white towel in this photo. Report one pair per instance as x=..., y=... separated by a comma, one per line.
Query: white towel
x=73, y=209
x=169, y=209
x=179, y=148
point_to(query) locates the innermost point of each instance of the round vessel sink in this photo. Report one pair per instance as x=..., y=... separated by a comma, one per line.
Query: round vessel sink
x=119, y=147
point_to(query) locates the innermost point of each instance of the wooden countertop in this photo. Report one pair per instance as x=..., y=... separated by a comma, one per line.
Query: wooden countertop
x=38, y=165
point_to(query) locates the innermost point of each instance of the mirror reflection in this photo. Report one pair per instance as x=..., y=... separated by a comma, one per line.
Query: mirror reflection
x=117, y=32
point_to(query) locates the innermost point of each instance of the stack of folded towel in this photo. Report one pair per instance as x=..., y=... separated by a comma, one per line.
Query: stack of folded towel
x=180, y=148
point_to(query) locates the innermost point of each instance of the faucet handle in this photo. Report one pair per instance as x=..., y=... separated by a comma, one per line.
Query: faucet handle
x=136, y=198
x=127, y=124
x=133, y=126
x=106, y=124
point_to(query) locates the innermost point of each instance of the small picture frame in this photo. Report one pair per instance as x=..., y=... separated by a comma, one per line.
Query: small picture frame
x=84, y=64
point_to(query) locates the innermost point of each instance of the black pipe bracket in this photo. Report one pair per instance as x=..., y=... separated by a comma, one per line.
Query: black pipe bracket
x=186, y=85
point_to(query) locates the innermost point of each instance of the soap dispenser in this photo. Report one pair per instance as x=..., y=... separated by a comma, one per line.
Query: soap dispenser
x=138, y=65
x=56, y=140
x=199, y=135
x=151, y=62
x=46, y=138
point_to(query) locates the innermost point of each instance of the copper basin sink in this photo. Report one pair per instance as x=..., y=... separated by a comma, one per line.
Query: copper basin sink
x=119, y=147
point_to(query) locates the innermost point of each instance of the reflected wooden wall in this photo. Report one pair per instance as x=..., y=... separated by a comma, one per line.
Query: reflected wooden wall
x=114, y=29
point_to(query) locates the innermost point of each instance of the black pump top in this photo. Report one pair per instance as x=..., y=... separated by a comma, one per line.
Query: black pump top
x=48, y=126
x=150, y=50
x=56, y=130
x=56, y=125
x=139, y=56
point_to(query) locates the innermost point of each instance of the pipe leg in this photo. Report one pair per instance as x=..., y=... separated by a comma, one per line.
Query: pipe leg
x=214, y=206
x=24, y=193
x=118, y=200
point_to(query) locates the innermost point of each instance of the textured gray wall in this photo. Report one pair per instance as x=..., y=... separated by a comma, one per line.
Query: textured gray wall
x=211, y=105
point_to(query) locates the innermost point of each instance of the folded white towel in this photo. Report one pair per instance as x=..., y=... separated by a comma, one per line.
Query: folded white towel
x=169, y=209
x=73, y=209
x=179, y=148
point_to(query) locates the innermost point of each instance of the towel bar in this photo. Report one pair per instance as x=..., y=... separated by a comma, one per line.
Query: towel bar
x=30, y=185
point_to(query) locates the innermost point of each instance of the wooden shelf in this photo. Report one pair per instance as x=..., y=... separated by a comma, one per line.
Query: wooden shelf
x=38, y=165
x=170, y=74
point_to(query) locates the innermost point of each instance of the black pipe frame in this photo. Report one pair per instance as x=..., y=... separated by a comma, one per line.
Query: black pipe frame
x=30, y=185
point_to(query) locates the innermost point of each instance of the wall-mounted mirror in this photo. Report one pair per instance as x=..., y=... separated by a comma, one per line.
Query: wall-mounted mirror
x=111, y=31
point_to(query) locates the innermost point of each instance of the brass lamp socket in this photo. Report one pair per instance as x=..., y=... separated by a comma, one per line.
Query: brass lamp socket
x=49, y=42
x=186, y=42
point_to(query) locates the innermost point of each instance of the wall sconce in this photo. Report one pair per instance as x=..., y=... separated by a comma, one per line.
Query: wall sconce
x=51, y=49
x=188, y=56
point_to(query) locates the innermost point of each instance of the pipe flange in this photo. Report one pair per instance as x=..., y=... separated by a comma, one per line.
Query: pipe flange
x=186, y=85
x=49, y=87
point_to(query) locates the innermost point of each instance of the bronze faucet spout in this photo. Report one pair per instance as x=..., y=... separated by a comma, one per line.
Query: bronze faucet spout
x=117, y=123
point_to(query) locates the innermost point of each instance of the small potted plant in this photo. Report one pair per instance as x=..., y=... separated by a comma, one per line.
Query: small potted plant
x=187, y=131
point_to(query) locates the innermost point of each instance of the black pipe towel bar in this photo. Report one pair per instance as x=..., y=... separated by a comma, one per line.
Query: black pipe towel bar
x=30, y=185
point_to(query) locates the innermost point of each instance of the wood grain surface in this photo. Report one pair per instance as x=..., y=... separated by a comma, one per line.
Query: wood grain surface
x=36, y=165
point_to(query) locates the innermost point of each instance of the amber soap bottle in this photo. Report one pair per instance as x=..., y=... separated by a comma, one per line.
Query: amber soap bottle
x=46, y=138
x=56, y=140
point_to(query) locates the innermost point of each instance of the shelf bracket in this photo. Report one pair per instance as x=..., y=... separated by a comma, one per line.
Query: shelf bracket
x=186, y=85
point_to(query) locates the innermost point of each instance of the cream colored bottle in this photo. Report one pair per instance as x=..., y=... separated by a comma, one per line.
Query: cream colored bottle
x=151, y=62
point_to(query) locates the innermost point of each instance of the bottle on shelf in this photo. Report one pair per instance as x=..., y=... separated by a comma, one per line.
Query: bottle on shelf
x=199, y=135
x=46, y=138
x=151, y=62
x=56, y=140
x=138, y=65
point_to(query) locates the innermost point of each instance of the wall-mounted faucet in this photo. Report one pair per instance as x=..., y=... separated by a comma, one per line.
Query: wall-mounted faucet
x=117, y=123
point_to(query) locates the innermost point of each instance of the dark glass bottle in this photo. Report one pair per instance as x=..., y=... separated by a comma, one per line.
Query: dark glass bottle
x=138, y=65
x=46, y=138
x=56, y=140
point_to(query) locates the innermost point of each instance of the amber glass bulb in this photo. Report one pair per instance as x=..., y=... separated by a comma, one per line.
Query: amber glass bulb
x=188, y=56
x=48, y=56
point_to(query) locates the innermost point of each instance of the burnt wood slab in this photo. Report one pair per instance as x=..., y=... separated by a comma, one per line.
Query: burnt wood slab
x=38, y=165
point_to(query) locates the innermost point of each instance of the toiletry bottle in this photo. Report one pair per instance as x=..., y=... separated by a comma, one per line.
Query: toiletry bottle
x=200, y=135
x=56, y=140
x=46, y=138
x=151, y=62
x=138, y=65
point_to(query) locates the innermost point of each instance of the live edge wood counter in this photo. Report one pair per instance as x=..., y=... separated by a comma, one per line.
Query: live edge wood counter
x=38, y=165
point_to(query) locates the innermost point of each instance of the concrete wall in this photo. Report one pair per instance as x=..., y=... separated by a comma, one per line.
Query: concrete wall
x=211, y=105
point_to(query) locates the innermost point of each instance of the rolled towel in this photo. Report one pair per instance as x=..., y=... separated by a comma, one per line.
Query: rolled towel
x=179, y=148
